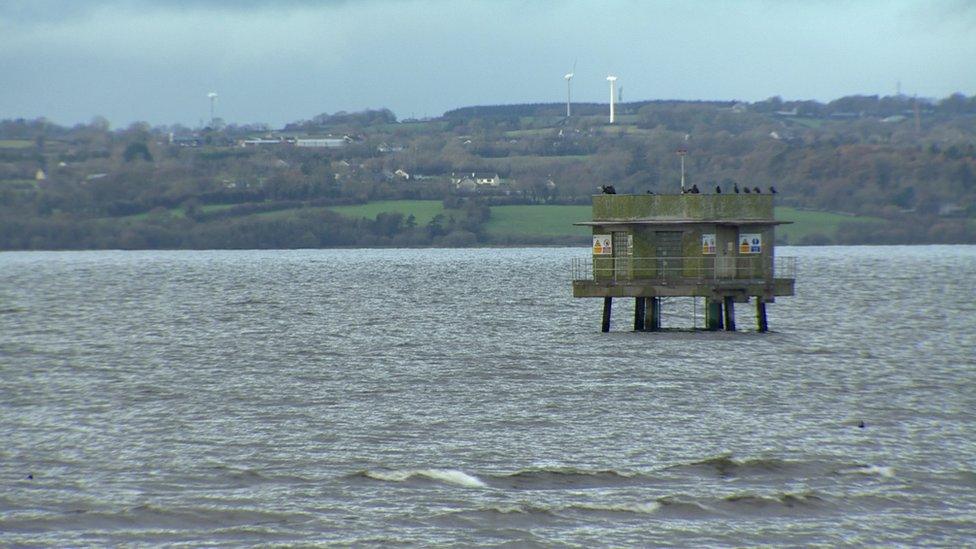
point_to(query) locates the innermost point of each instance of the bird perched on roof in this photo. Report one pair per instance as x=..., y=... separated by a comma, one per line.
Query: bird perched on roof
x=735, y=187
x=756, y=190
x=608, y=189
x=718, y=190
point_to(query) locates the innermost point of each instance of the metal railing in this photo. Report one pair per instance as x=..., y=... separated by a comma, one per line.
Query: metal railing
x=685, y=268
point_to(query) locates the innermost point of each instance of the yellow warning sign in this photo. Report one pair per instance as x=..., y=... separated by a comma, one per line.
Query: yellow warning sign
x=602, y=244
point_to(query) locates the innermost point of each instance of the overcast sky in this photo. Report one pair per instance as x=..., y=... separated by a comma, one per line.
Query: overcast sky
x=278, y=61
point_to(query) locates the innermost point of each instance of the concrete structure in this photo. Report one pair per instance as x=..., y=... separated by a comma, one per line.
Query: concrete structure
x=260, y=142
x=473, y=180
x=719, y=247
x=323, y=142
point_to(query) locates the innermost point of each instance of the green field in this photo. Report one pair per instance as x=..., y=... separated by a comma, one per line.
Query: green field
x=525, y=222
x=15, y=143
x=207, y=208
x=807, y=223
x=422, y=210
x=20, y=184
x=557, y=221
x=807, y=122
x=538, y=220
x=173, y=212
x=505, y=221
x=536, y=132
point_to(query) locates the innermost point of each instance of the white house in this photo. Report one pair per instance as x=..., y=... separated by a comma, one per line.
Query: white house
x=475, y=179
x=324, y=142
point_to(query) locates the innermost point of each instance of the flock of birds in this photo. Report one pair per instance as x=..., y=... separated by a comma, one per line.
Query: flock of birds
x=608, y=189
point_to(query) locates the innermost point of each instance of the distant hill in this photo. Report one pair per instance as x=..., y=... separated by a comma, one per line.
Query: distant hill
x=859, y=169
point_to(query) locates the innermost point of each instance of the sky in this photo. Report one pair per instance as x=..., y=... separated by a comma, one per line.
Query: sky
x=279, y=61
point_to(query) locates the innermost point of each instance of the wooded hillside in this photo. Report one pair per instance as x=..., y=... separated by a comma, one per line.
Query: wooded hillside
x=909, y=166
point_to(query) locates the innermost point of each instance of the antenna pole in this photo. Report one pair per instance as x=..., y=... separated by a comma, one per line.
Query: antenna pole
x=682, y=173
x=613, y=81
x=681, y=154
x=213, y=99
x=569, y=94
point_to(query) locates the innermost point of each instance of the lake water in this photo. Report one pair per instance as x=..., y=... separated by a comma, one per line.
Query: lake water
x=421, y=397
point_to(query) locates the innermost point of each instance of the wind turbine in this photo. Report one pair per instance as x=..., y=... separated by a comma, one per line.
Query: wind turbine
x=613, y=80
x=569, y=88
x=213, y=99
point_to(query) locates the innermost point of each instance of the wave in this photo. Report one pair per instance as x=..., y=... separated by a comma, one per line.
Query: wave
x=517, y=517
x=876, y=470
x=785, y=499
x=253, y=301
x=750, y=504
x=146, y=517
x=726, y=466
x=670, y=507
x=545, y=478
x=249, y=477
x=446, y=476
x=968, y=477
x=549, y=478
x=723, y=466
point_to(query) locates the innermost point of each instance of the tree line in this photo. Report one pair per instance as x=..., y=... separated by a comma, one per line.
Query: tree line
x=908, y=162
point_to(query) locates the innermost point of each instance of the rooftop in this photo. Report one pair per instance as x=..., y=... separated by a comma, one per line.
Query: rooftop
x=628, y=209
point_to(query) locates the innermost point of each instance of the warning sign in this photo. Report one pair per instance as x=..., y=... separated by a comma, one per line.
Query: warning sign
x=708, y=244
x=602, y=244
x=750, y=243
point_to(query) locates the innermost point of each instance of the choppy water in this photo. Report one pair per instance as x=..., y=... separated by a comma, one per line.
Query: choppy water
x=462, y=396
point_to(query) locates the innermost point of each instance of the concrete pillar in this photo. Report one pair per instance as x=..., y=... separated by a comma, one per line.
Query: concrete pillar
x=652, y=317
x=607, y=305
x=729, y=314
x=713, y=314
x=639, y=308
x=761, y=324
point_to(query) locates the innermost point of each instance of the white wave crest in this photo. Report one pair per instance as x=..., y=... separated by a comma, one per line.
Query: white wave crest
x=449, y=476
x=643, y=508
x=881, y=471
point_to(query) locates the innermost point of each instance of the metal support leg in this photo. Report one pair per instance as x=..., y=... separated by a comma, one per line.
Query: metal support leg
x=607, y=305
x=652, y=320
x=713, y=314
x=729, y=314
x=761, y=322
x=640, y=304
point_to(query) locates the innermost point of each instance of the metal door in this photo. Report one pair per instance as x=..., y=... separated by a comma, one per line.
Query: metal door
x=622, y=254
x=668, y=253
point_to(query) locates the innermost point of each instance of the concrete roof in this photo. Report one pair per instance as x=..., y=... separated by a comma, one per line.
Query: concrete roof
x=735, y=222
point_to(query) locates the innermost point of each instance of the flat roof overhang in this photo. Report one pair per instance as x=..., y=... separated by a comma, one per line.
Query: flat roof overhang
x=729, y=222
x=768, y=289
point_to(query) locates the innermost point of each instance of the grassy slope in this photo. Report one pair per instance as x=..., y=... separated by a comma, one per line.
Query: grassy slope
x=15, y=143
x=808, y=222
x=538, y=220
x=422, y=210
x=557, y=221
x=527, y=221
